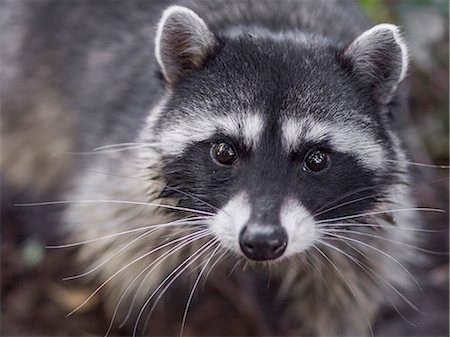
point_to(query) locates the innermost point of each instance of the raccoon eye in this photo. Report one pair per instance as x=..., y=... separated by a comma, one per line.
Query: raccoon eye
x=316, y=161
x=224, y=153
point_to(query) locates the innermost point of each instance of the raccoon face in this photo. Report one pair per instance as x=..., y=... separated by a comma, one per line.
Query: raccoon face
x=275, y=133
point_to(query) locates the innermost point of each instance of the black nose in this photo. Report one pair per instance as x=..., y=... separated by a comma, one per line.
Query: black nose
x=263, y=242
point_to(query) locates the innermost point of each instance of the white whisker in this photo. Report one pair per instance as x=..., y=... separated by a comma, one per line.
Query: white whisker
x=192, y=197
x=344, y=204
x=234, y=267
x=201, y=234
x=110, y=146
x=348, y=286
x=423, y=209
x=364, y=267
x=183, y=266
x=346, y=195
x=186, y=240
x=194, y=287
x=381, y=252
x=368, y=225
x=411, y=163
x=180, y=222
x=166, y=186
x=120, y=250
x=118, y=272
x=216, y=262
x=98, y=151
x=335, y=230
x=124, y=202
x=127, y=148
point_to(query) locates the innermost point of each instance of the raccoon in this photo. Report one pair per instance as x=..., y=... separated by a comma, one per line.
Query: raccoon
x=260, y=133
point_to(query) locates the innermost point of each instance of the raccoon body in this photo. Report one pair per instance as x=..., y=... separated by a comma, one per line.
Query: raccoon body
x=268, y=137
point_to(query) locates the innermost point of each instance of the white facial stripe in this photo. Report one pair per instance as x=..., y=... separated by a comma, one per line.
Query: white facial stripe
x=228, y=222
x=299, y=225
x=295, y=131
x=343, y=139
x=292, y=130
x=252, y=128
x=247, y=128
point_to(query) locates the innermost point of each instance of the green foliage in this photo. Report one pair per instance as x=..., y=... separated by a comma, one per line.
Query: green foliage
x=376, y=10
x=385, y=11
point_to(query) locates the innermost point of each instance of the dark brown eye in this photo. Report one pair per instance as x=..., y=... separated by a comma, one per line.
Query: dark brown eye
x=224, y=153
x=316, y=160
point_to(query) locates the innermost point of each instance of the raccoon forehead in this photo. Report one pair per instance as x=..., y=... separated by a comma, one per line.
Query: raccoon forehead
x=177, y=135
x=256, y=32
x=345, y=138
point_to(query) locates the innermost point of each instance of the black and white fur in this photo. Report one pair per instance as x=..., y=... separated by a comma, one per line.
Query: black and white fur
x=275, y=79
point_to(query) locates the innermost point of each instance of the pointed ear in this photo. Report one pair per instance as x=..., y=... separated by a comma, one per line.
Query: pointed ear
x=182, y=42
x=379, y=57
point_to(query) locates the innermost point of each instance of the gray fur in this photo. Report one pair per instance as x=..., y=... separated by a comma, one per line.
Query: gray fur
x=117, y=60
x=382, y=40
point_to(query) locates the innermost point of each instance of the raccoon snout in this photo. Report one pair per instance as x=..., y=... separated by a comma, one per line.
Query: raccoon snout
x=263, y=242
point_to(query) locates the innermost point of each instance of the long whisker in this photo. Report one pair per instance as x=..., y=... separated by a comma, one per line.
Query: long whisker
x=113, y=148
x=411, y=163
x=405, y=298
x=368, y=225
x=192, y=197
x=206, y=247
x=331, y=230
x=234, y=267
x=179, y=222
x=423, y=209
x=344, y=204
x=125, y=202
x=381, y=252
x=125, y=148
x=395, y=307
x=364, y=267
x=118, y=272
x=220, y=258
x=110, y=146
x=194, y=287
x=166, y=186
x=97, y=151
x=122, y=249
x=111, y=256
x=348, y=286
x=183, y=266
x=186, y=240
x=203, y=233
x=346, y=195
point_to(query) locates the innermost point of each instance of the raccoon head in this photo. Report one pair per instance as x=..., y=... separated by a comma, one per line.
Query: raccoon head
x=275, y=132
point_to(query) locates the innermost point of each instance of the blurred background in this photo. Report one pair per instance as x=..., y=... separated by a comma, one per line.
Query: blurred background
x=35, y=300
x=426, y=29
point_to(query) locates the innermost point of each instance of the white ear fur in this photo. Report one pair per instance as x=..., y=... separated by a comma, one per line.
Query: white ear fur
x=379, y=55
x=182, y=42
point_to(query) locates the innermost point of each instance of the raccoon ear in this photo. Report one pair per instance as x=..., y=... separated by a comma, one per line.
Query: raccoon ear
x=379, y=57
x=182, y=42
